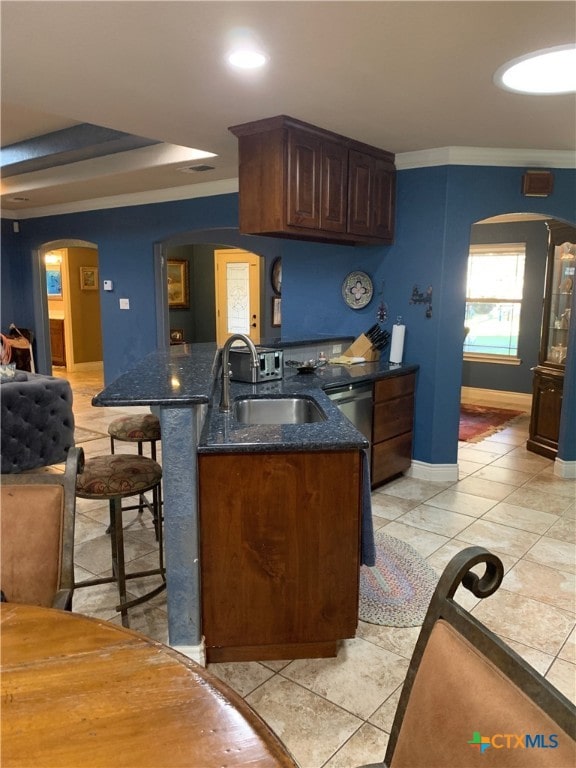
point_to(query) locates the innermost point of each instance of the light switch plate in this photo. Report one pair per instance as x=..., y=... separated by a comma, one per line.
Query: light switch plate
x=124, y=303
x=107, y=285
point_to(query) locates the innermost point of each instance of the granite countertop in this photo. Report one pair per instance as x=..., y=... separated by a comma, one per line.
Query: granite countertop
x=186, y=375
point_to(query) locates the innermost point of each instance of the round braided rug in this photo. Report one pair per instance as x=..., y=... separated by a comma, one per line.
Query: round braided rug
x=396, y=591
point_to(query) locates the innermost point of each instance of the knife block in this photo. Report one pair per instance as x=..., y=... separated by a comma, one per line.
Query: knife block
x=362, y=347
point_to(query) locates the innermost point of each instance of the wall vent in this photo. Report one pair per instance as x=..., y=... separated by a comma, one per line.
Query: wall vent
x=196, y=168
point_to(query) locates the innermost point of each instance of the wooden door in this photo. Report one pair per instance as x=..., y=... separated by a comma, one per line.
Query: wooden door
x=237, y=280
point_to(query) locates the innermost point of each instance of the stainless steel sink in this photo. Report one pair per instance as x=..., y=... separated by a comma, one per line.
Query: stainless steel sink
x=277, y=410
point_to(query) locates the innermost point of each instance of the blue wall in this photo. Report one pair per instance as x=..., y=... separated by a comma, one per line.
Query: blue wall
x=436, y=208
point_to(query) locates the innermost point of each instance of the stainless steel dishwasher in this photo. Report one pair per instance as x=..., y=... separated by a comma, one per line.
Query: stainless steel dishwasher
x=355, y=402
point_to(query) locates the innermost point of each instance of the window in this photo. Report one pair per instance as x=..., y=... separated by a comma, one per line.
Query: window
x=494, y=301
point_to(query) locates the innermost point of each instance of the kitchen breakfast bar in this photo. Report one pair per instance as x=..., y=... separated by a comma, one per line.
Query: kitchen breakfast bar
x=182, y=385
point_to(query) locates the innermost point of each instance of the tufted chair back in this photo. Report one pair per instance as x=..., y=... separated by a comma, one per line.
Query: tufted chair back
x=37, y=423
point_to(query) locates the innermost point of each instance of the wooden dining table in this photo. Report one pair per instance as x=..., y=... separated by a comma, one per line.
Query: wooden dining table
x=82, y=692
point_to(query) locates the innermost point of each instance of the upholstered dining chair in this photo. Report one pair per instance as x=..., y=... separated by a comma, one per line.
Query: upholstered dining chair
x=468, y=699
x=37, y=534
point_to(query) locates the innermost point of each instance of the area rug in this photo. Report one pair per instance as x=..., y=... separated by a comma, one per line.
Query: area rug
x=478, y=421
x=82, y=435
x=396, y=591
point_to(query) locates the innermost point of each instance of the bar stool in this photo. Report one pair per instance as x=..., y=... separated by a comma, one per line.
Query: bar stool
x=140, y=428
x=115, y=477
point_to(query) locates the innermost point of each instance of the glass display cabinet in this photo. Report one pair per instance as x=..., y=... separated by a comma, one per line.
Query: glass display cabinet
x=549, y=373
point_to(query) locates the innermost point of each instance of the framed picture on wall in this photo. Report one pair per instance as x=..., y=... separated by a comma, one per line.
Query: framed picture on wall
x=276, y=311
x=178, y=284
x=89, y=278
x=54, y=281
x=176, y=336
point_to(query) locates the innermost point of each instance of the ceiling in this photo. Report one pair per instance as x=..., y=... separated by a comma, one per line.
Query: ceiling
x=403, y=76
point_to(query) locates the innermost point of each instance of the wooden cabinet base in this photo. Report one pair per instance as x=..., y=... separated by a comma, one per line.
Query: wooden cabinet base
x=277, y=652
x=280, y=552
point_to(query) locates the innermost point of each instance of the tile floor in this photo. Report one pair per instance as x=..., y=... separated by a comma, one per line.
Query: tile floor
x=336, y=713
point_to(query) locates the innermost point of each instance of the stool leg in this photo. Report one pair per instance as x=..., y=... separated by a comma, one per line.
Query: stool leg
x=118, y=565
x=157, y=507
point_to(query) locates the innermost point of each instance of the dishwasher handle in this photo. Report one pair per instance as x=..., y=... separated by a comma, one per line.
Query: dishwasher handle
x=350, y=394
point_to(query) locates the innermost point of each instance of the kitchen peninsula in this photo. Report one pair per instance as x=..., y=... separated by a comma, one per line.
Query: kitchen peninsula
x=223, y=478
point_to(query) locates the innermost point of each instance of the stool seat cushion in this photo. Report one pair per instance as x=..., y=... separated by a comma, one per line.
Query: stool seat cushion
x=143, y=426
x=106, y=477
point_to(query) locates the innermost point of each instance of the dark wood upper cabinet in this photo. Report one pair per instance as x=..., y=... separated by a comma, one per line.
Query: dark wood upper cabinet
x=302, y=182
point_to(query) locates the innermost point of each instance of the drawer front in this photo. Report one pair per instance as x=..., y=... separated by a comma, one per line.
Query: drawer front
x=391, y=458
x=393, y=418
x=386, y=389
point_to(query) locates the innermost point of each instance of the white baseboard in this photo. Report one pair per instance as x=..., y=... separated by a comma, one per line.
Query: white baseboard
x=565, y=469
x=195, y=652
x=421, y=470
x=521, y=400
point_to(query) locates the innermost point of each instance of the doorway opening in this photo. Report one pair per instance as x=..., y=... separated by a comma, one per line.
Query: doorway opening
x=71, y=302
x=505, y=382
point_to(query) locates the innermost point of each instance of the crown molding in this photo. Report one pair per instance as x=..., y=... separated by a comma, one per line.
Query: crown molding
x=425, y=158
x=513, y=158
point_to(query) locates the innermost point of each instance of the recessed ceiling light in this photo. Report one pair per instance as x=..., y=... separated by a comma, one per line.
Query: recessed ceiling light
x=547, y=71
x=246, y=58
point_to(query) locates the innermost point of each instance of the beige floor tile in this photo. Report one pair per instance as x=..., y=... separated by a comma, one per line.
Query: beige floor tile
x=537, y=499
x=539, y=582
x=504, y=475
x=397, y=640
x=525, y=462
x=466, y=468
x=436, y=520
x=562, y=675
x=488, y=489
x=527, y=621
x=522, y=518
x=550, y=484
x=367, y=745
x=147, y=619
x=537, y=659
x=99, y=601
x=482, y=453
x=390, y=507
x=424, y=542
x=312, y=728
x=554, y=554
x=243, y=677
x=358, y=679
x=497, y=537
x=464, y=503
x=568, y=650
x=564, y=529
x=384, y=716
x=411, y=488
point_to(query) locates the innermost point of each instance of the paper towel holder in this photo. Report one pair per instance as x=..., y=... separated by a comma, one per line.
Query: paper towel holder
x=422, y=297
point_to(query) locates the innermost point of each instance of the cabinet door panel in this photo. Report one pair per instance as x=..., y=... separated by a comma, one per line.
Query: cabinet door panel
x=279, y=550
x=334, y=187
x=304, y=161
x=383, y=201
x=360, y=169
x=386, y=389
x=393, y=418
x=391, y=458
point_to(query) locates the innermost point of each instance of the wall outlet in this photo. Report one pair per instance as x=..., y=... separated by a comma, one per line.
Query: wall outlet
x=336, y=349
x=124, y=303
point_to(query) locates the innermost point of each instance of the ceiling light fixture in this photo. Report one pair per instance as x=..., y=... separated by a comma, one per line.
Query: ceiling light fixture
x=246, y=58
x=545, y=72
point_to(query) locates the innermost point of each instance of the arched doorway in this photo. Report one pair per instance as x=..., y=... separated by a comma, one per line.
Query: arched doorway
x=68, y=307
